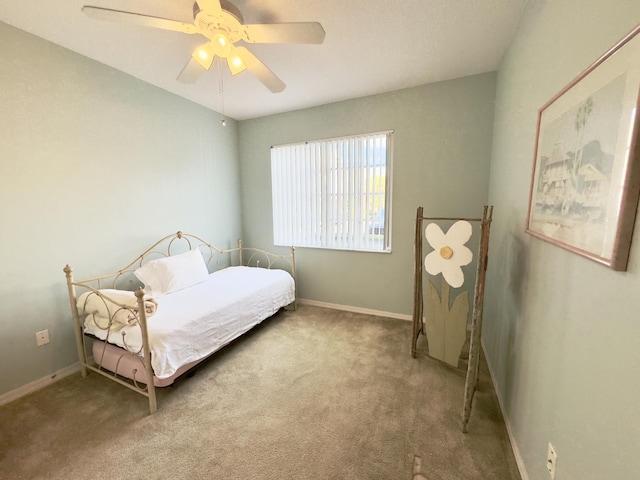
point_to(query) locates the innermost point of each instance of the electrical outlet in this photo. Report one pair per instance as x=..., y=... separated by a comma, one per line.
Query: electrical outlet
x=552, y=460
x=42, y=337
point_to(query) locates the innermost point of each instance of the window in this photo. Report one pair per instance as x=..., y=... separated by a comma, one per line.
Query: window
x=333, y=193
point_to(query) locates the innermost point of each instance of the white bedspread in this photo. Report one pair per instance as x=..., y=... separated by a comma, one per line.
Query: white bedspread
x=192, y=323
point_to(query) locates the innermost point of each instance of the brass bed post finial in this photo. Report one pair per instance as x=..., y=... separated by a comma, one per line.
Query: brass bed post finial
x=77, y=326
x=239, y=251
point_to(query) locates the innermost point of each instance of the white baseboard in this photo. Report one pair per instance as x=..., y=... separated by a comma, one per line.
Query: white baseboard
x=38, y=384
x=514, y=445
x=366, y=311
x=348, y=308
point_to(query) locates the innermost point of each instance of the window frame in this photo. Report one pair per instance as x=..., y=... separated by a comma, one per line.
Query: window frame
x=357, y=158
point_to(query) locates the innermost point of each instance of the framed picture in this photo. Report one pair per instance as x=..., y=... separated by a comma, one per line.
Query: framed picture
x=586, y=172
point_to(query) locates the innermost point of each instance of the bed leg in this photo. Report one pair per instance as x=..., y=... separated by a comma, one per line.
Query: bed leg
x=153, y=405
x=292, y=307
x=151, y=389
x=77, y=327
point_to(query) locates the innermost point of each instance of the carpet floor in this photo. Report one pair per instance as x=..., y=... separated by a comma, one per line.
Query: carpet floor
x=308, y=394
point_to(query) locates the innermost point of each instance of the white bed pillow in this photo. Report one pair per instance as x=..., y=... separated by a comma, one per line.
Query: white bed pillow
x=173, y=273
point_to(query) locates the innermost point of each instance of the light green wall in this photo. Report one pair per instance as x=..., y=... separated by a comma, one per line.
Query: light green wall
x=94, y=167
x=442, y=145
x=561, y=333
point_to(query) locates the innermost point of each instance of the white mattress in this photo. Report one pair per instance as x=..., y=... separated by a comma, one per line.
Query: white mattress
x=192, y=323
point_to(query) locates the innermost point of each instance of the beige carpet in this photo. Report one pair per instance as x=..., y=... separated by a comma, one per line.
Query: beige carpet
x=310, y=394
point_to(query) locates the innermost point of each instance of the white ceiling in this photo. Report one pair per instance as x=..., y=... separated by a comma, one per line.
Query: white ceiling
x=371, y=46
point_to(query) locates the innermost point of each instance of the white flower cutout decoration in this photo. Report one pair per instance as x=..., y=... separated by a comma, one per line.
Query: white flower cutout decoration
x=450, y=253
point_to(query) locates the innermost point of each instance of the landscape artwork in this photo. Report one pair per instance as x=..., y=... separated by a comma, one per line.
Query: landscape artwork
x=584, y=187
x=572, y=190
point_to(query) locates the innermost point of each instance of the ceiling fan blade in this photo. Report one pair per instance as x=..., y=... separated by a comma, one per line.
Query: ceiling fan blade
x=211, y=7
x=108, y=14
x=260, y=70
x=303, y=32
x=191, y=71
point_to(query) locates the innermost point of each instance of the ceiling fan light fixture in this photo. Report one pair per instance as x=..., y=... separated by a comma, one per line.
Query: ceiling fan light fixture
x=204, y=55
x=222, y=40
x=222, y=45
x=235, y=63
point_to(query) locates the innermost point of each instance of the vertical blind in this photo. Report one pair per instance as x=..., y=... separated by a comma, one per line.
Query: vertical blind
x=333, y=193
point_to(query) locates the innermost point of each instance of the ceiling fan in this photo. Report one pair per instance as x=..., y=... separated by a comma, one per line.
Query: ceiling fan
x=222, y=24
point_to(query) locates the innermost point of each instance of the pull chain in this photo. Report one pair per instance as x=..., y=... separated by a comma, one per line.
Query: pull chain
x=222, y=121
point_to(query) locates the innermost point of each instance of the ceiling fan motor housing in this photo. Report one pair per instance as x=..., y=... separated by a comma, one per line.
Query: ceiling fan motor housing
x=228, y=21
